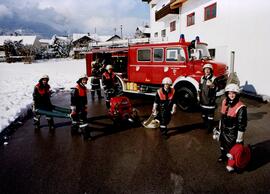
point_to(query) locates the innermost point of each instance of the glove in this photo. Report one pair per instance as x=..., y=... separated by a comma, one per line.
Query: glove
x=216, y=134
x=240, y=137
x=73, y=110
x=173, y=109
x=34, y=109
x=154, y=109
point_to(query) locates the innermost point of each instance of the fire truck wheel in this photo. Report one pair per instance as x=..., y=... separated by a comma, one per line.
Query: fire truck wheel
x=185, y=98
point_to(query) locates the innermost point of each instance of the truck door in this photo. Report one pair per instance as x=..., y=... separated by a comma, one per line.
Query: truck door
x=174, y=63
x=158, y=65
x=140, y=68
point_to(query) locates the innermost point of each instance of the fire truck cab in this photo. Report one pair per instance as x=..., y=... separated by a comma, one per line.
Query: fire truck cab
x=142, y=67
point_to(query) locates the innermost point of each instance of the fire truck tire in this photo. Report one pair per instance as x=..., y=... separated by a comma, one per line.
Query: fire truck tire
x=186, y=99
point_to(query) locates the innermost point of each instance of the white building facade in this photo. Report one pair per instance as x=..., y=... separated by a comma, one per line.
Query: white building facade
x=228, y=26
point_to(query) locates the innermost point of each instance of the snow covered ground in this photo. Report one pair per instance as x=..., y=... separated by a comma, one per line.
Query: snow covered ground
x=17, y=81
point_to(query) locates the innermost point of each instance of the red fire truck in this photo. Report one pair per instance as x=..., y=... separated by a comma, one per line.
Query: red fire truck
x=140, y=68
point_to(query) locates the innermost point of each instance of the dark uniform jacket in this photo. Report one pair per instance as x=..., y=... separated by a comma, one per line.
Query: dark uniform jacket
x=41, y=97
x=79, y=96
x=165, y=101
x=96, y=75
x=109, y=80
x=233, y=119
x=208, y=94
x=96, y=71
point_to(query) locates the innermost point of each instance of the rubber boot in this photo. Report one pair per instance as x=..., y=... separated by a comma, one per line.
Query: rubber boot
x=205, y=123
x=93, y=94
x=209, y=126
x=99, y=94
x=51, y=123
x=74, y=128
x=86, y=133
x=164, y=131
x=108, y=104
x=36, y=120
x=222, y=157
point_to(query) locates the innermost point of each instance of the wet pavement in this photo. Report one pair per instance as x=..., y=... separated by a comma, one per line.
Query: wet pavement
x=131, y=159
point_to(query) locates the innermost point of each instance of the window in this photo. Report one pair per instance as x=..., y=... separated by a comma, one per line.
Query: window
x=175, y=54
x=156, y=34
x=210, y=11
x=158, y=54
x=172, y=26
x=212, y=53
x=163, y=33
x=191, y=19
x=199, y=52
x=144, y=55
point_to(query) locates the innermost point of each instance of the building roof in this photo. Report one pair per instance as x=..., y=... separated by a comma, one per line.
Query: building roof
x=143, y=29
x=146, y=1
x=26, y=40
x=104, y=38
x=46, y=41
x=95, y=37
x=114, y=37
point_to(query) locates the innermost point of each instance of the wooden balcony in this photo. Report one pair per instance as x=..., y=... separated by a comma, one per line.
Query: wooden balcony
x=164, y=11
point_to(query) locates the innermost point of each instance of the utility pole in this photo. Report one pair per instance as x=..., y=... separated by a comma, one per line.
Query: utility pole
x=121, y=27
x=114, y=31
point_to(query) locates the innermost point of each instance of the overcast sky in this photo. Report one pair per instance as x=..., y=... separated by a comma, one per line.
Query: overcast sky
x=80, y=15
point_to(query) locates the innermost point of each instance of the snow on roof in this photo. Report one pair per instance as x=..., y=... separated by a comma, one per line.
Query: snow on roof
x=46, y=41
x=104, y=38
x=96, y=37
x=64, y=38
x=143, y=29
x=26, y=40
x=76, y=37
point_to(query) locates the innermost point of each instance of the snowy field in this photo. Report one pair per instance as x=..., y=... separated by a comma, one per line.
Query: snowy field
x=17, y=81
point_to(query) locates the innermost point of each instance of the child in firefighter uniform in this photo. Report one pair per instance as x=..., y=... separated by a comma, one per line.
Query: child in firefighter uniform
x=207, y=92
x=233, y=121
x=95, y=80
x=109, y=82
x=41, y=98
x=79, y=103
x=164, y=105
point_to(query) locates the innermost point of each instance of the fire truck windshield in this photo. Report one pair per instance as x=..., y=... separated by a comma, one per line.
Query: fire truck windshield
x=200, y=52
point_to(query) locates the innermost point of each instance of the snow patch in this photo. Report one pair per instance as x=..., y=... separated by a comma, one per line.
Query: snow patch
x=17, y=81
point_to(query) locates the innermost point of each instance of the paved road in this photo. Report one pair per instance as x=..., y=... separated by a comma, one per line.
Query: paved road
x=131, y=160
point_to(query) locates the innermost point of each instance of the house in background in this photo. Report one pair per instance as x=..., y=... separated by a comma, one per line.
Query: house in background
x=80, y=44
x=234, y=30
x=109, y=38
x=142, y=32
x=18, y=48
x=45, y=43
x=83, y=43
